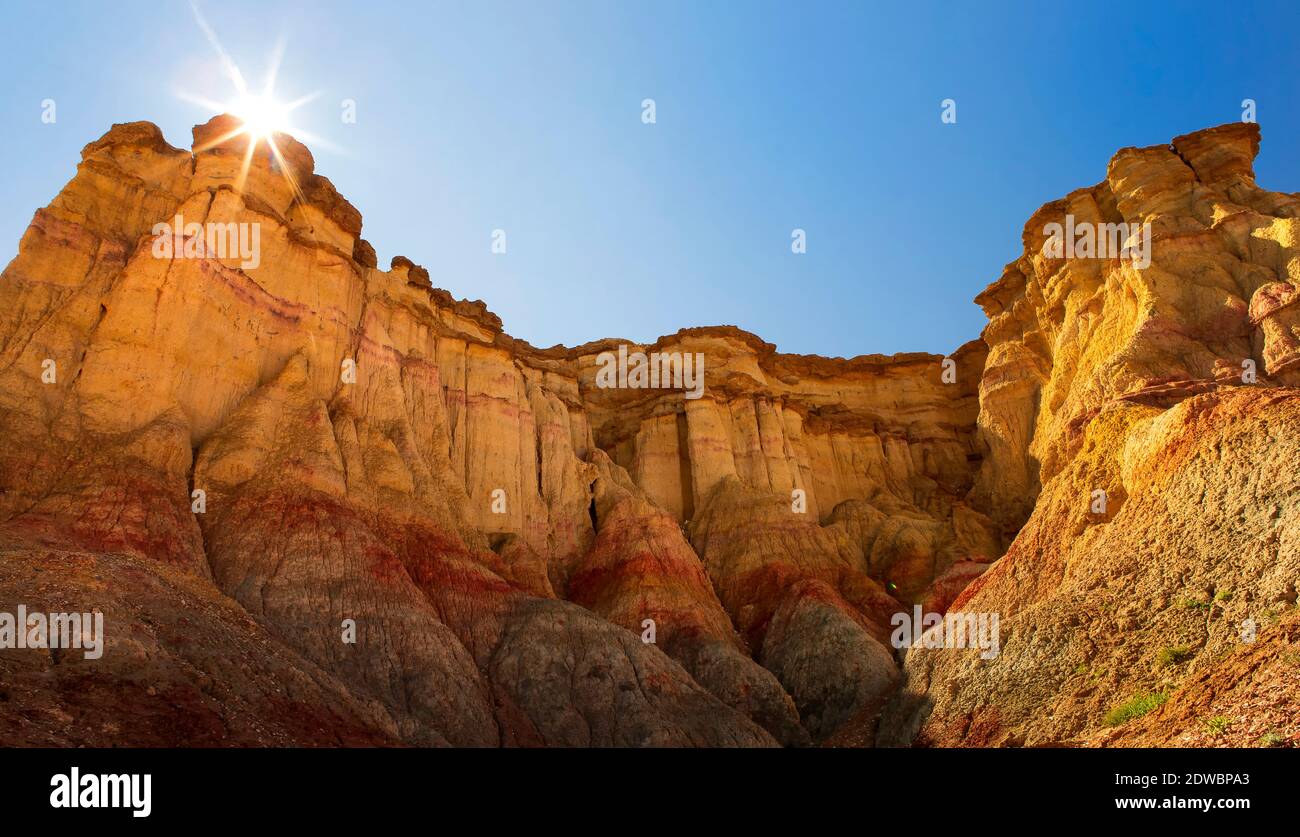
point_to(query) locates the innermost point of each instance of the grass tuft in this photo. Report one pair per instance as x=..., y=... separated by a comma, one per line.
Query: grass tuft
x=1217, y=725
x=1134, y=708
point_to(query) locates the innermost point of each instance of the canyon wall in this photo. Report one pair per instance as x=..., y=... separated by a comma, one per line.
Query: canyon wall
x=239, y=463
x=324, y=443
x=1142, y=424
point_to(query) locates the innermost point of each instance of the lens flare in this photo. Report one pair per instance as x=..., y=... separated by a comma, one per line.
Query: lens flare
x=262, y=115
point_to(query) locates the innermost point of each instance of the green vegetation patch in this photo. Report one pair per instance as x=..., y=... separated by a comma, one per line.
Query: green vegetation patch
x=1134, y=708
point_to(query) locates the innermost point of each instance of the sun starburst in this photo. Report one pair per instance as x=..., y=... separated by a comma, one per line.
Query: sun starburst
x=261, y=115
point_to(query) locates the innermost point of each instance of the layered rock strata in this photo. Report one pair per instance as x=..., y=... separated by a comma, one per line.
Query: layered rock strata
x=321, y=502
x=1141, y=423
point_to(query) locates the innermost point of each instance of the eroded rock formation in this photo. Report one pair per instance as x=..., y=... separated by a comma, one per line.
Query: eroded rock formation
x=1103, y=376
x=236, y=459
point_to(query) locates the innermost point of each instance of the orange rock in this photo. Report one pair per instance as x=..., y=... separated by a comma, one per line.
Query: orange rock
x=1154, y=478
x=309, y=440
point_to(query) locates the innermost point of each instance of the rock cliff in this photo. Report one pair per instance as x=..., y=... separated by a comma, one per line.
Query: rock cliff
x=1141, y=423
x=320, y=502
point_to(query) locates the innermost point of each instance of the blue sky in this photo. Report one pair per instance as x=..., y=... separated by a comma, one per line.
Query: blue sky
x=770, y=116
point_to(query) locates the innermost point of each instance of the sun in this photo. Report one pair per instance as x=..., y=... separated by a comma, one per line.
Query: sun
x=262, y=115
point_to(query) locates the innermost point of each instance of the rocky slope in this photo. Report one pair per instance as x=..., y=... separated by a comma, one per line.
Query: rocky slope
x=238, y=461
x=1103, y=376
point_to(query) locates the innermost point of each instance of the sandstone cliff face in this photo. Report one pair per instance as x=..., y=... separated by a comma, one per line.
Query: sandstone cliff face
x=1105, y=376
x=320, y=440
x=304, y=442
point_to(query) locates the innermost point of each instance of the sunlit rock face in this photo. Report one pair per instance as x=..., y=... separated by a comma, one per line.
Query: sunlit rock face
x=1143, y=421
x=426, y=531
